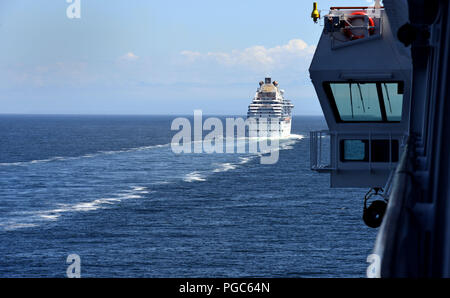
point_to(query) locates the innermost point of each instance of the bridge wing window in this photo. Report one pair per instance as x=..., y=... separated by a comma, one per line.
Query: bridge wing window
x=366, y=102
x=354, y=150
x=393, y=100
x=380, y=150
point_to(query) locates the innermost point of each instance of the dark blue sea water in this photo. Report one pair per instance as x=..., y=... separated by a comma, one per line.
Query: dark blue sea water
x=109, y=189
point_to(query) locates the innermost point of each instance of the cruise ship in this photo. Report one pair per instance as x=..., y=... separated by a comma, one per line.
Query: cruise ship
x=270, y=106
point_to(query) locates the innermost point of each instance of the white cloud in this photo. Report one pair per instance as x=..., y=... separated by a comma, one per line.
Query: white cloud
x=130, y=56
x=258, y=58
x=191, y=56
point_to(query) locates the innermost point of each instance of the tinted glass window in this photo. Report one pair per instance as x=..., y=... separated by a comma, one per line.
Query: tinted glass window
x=354, y=150
x=356, y=102
x=366, y=102
x=358, y=150
x=393, y=101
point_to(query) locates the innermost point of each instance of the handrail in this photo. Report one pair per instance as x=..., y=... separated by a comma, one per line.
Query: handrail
x=385, y=244
x=352, y=7
x=316, y=151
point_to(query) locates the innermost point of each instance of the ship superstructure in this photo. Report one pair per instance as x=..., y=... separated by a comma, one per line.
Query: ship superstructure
x=362, y=77
x=270, y=107
x=393, y=60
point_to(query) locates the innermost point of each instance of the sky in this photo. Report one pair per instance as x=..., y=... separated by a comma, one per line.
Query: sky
x=155, y=57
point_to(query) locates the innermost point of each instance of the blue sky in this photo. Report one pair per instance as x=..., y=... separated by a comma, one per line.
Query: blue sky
x=155, y=57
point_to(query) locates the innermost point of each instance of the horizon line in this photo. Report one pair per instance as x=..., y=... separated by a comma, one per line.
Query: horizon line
x=112, y=114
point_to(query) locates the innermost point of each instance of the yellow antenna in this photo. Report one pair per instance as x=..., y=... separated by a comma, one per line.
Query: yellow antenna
x=315, y=15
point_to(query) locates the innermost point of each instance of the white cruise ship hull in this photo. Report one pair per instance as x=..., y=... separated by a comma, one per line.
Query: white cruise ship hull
x=271, y=111
x=283, y=130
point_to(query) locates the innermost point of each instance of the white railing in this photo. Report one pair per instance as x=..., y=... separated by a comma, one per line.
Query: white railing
x=317, y=161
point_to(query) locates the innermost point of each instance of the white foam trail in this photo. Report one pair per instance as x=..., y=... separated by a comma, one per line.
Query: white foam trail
x=11, y=164
x=136, y=192
x=244, y=160
x=247, y=159
x=292, y=139
x=15, y=226
x=283, y=145
x=161, y=182
x=90, y=206
x=296, y=136
x=50, y=216
x=139, y=188
x=225, y=167
x=131, y=196
x=193, y=176
x=90, y=155
x=291, y=136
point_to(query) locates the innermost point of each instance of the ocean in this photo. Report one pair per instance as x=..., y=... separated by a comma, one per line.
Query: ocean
x=110, y=189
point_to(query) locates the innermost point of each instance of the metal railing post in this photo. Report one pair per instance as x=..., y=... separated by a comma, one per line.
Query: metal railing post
x=370, y=151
